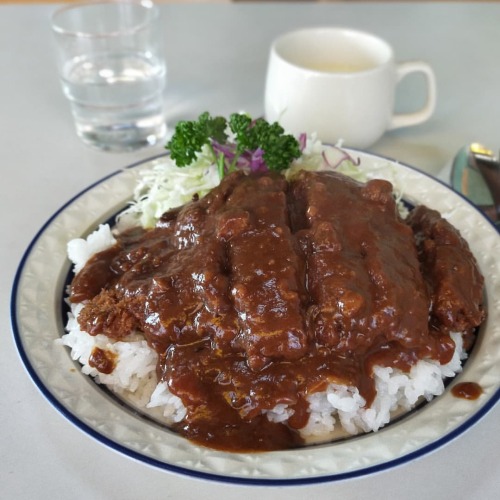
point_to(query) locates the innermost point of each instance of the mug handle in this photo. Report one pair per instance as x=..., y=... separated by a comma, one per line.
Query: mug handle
x=407, y=119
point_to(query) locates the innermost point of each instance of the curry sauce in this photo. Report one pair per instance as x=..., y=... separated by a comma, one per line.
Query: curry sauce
x=267, y=290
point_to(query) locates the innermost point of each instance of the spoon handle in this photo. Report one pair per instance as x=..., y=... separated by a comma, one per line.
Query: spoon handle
x=490, y=170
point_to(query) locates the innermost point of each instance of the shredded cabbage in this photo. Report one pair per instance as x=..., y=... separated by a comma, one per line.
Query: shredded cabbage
x=316, y=156
x=167, y=186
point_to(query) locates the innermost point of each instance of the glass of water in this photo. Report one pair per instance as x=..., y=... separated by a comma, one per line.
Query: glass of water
x=112, y=70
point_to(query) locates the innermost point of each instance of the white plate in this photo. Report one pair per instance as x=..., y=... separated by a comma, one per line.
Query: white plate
x=37, y=320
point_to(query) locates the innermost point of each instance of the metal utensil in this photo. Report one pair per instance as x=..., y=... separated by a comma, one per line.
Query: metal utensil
x=476, y=174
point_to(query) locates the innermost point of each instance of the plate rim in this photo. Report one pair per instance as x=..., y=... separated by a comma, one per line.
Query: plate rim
x=171, y=467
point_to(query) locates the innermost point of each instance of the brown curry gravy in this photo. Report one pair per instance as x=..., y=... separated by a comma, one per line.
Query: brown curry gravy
x=102, y=360
x=265, y=291
x=467, y=390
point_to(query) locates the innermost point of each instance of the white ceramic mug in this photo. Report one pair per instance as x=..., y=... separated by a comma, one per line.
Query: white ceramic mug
x=339, y=83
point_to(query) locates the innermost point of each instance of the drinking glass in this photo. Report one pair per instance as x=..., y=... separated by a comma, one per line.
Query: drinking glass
x=112, y=70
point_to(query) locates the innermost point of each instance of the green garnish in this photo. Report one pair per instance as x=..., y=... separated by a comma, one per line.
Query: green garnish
x=190, y=136
x=257, y=145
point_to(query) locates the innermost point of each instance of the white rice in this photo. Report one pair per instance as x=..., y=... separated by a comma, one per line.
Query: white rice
x=135, y=362
x=80, y=250
x=396, y=391
x=134, y=375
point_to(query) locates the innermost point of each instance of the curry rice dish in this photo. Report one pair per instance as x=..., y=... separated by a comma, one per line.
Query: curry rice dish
x=270, y=305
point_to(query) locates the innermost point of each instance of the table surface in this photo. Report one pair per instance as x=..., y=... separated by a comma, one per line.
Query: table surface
x=217, y=56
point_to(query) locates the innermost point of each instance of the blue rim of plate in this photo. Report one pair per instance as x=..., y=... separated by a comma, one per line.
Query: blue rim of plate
x=75, y=420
